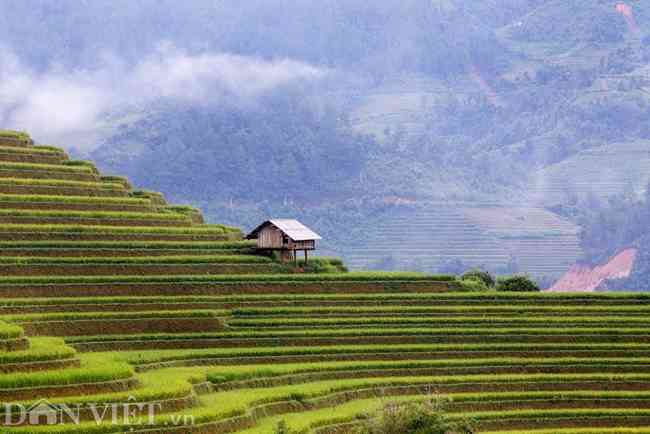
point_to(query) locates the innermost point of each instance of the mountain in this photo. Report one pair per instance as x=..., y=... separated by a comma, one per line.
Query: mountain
x=616, y=231
x=495, y=116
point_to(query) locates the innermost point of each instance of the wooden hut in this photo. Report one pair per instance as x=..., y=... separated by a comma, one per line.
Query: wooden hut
x=286, y=236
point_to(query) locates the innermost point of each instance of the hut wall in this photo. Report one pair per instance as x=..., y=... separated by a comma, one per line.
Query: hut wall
x=269, y=238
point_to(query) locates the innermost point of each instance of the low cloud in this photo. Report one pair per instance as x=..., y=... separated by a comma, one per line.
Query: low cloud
x=60, y=104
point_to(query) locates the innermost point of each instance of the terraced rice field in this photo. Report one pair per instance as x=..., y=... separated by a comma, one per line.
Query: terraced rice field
x=102, y=316
x=488, y=235
x=603, y=172
x=241, y=363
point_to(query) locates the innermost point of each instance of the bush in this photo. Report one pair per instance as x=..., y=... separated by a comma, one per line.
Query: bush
x=428, y=417
x=473, y=285
x=323, y=265
x=480, y=275
x=518, y=284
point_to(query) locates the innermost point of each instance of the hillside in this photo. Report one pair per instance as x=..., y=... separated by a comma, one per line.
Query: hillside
x=524, y=105
x=134, y=315
x=349, y=113
x=600, y=172
x=459, y=236
x=616, y=241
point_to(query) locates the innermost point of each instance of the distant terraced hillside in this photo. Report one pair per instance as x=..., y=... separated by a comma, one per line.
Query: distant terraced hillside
x=538, y=241
x=603, y=171
x=402, y=104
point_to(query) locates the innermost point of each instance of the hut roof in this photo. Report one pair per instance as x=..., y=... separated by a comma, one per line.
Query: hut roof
x=291, y=228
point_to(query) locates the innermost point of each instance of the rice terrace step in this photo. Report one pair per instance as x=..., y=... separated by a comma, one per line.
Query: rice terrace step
x=111, y=297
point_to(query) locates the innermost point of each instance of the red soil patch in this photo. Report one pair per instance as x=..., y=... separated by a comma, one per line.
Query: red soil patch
x=581, y=278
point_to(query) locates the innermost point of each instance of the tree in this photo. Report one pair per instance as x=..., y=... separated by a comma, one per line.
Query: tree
x=518, y=284
x=480, y=275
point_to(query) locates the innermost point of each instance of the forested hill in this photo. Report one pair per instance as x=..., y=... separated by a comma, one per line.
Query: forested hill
x=613, y=226
x=495, y=127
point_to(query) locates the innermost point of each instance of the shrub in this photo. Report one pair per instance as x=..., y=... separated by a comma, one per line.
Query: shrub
x=323, y=265
x=518, y=284
x=473, y=285
x=480, y=275
x=428, y=417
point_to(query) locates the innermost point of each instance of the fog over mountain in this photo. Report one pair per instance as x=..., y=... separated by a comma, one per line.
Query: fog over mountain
x=415, y=134
x=63, y=101
x=113, y=53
